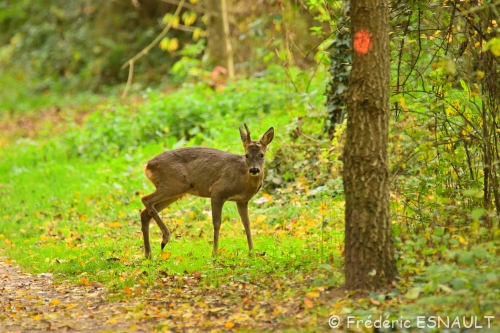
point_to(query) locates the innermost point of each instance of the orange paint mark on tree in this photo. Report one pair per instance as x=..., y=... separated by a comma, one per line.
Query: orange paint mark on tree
x=362, y=41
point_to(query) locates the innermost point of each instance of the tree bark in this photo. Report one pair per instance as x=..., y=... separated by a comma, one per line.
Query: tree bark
x=369, y=251
x=219, y=46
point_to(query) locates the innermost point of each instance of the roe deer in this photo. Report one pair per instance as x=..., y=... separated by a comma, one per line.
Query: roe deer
x=208, y=173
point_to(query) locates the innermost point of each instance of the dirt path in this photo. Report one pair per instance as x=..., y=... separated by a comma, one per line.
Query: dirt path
x=34, y=303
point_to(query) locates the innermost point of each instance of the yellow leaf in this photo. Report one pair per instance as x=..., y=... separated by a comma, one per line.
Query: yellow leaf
x=164, y=44
x=194, y=2
x=173, y=44
x=402, y=103
x=70, y=306
x=229, y=324
x=261, y=218
x=175, y=22
x=37, y=317
x=189, y=18
x=165, y=255
x=114, y=224
x=312, y=294
x=167, y=18
x=54, y=302
x=322, y=208
x=196, y=33
x=112, y=321
x=462, y=240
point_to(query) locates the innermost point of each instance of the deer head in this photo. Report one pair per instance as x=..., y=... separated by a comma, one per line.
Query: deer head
x=255, y=150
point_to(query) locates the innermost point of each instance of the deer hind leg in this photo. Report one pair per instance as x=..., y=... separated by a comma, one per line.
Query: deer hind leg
x=154, y=203
x=146, y=219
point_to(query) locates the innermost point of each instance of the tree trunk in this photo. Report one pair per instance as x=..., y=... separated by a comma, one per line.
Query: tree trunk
x=369, y=252
x=219, y=46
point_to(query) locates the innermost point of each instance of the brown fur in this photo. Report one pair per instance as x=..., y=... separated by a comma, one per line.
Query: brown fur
x=209, y=173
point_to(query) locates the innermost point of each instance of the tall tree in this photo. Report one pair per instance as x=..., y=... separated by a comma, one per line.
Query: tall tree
x=369, y=252
x=219, y=46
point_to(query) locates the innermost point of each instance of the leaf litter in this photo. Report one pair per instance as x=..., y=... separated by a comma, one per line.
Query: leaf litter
x=176, y=304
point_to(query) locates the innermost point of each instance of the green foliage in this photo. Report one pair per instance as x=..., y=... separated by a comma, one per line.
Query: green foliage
x=187, y=116
x=70, y=45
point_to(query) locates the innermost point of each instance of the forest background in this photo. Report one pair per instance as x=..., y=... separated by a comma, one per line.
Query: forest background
x=86, y=99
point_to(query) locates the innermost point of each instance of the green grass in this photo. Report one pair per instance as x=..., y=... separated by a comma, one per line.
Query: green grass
x=80, y=219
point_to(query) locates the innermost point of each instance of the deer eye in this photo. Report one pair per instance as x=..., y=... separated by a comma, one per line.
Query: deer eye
x=246, y=155
x=261, y=155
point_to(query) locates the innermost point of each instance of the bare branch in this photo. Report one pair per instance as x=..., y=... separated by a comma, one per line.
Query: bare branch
x=131, y=61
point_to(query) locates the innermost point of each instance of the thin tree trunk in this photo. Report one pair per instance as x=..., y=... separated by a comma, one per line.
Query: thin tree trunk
x=219, y=46
x=369, y=252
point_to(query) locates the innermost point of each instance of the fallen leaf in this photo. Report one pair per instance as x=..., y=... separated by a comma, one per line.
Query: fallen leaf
x=308, y=303
x=128, y=290
x=312, y=294
x=70, y=306
x=196, y=275
x=229, y=324
x=216, y=309
x=165, y=255
x=37, y=317
x=54, y=302
x=84, y=281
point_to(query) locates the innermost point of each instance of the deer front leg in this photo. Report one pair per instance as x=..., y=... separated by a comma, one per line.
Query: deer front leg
x=216, y=220
x=243, y=211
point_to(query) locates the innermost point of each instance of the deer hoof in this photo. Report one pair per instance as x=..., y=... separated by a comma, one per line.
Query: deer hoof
x=163, y=245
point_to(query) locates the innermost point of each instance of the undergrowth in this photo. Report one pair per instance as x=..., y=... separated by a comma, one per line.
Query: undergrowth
x=70, y=205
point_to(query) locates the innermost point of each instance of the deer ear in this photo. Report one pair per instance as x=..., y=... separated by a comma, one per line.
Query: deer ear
x=267, y=137
x=243, y=135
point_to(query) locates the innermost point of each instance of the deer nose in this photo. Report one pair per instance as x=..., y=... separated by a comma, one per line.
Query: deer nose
x=254, y=171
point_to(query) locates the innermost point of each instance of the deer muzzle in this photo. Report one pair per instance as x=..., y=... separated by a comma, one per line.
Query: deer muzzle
x=254, y=171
